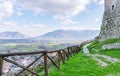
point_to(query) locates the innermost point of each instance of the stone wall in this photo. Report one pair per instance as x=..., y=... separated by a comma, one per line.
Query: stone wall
x=111, y=20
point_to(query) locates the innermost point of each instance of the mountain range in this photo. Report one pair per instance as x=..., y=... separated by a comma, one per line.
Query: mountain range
x=58, y=34
x=12, y=35
x=70, y=34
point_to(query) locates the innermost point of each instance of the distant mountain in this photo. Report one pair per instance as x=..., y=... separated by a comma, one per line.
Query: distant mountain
x=12, y=35
x=70, y=34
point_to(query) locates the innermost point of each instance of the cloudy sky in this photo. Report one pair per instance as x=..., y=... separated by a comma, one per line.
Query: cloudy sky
x=36, y=17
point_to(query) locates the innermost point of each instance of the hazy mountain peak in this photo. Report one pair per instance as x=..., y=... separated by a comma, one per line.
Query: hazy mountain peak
x=70, y=34
x=12, y=35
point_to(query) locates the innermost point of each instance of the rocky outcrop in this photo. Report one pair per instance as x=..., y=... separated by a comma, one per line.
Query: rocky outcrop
x=111, y=20
x=111, y=46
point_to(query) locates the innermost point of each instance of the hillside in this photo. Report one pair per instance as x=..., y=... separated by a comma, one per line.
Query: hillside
x=70, y=34
x=96, y=63
x=97, y=47
x=12, y=35
x=55, y=35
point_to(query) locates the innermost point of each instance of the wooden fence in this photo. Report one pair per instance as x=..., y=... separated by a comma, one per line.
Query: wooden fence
x=62, y=56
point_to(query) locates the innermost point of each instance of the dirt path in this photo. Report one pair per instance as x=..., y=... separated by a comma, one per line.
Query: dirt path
x=103, y=60
x=85, y=49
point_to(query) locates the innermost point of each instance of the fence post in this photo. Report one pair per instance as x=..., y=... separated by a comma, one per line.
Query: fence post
x=1, y=65
x=64, y=54
x=69, y=52
x=62, y=58
x=78, y=49
x=45, y=64
x=59, y=59
x=73, y=50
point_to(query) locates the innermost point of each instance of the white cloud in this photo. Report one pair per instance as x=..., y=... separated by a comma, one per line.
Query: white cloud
x=65, y=20
x=19, y=13
x=79, y=27
x=59, y=8
x=101, y=2
x=97, y=20
x=32, y=29
x=28, y=29
x=63, y=10
x=9, y=23
x=6, y=8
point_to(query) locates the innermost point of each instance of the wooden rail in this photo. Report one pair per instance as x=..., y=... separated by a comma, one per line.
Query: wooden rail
x=62, y=56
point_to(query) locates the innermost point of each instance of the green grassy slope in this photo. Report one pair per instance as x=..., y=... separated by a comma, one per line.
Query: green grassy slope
x=111, y=52
x=97, y=45
x=82, y=65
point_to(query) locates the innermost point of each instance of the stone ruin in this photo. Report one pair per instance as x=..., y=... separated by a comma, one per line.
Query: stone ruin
x=111, y=20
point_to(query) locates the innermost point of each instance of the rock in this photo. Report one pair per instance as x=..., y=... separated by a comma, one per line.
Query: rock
x=111, y=46
x=111, y=20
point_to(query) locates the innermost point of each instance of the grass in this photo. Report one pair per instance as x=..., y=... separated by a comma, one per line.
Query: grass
x=96, y=45
x=115, y=53
x=82, y=65
x=104, y=60
x=111, y=52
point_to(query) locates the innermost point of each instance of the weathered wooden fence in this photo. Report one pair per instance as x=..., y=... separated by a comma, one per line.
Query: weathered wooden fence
x=62, y=56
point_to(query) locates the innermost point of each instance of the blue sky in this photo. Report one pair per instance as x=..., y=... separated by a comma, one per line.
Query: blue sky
x=36, y=17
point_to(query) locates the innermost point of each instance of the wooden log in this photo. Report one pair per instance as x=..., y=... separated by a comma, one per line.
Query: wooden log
x=62, y=58
x=10, y=61
x=72, y=51
x=75, y=49
x=29, y=65
x=53, y=62
x=66, y=54
x=29, y=53
x=78, y=49
x=22, y=53
x=45, y=64
x=1, y=65
x=59, y=59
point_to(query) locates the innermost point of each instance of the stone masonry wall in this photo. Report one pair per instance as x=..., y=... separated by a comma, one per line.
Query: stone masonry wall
x=111, y=20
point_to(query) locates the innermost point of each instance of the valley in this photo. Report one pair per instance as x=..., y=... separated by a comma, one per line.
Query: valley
x=8, y=46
